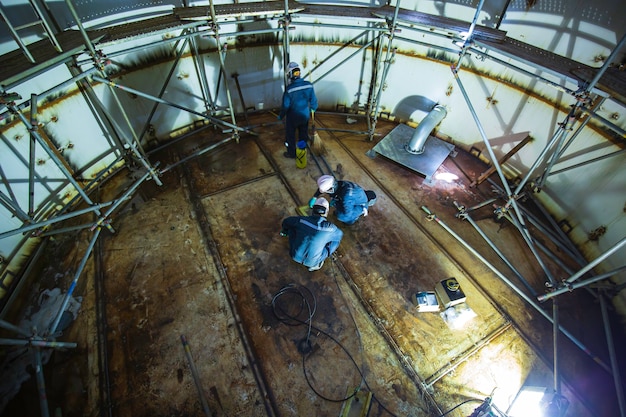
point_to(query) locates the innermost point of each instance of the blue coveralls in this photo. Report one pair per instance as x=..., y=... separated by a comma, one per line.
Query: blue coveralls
x=349, y=200
x=312, y=239
x=298, y=101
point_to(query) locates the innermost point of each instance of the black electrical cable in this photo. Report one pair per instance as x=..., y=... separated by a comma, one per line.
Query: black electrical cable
x=334, y=273
x=304, y=344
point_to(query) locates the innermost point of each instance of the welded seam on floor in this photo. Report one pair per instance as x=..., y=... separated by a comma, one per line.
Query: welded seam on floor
x=266, y=394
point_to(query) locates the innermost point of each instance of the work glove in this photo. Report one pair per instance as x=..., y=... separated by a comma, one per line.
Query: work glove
x=365, y=212
x=312, y=202
x=284, y=232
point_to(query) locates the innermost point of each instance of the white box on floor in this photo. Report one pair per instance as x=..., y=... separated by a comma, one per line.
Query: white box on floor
x=426, y=301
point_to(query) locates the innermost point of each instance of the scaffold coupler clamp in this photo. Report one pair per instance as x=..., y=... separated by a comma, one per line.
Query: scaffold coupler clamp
x=430, y=216
x=462, y=214
x=9, y=98
x=499, y=212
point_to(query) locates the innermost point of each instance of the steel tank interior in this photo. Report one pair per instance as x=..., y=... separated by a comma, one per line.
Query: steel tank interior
x=143, y=186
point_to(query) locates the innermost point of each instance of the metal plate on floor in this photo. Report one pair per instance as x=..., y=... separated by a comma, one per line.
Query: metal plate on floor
x=393, y=145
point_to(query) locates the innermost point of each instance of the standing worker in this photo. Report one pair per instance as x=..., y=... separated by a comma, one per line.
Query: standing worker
x=312, y=239
x=350, y=200
x=299, y=101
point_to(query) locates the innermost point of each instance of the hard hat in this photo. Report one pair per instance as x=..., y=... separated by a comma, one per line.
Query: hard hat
x=326, y=183
x=321, y=206
x=293, y=70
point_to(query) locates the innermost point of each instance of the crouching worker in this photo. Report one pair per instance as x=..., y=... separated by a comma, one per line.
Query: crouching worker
x=312, y=239
x=350, y=200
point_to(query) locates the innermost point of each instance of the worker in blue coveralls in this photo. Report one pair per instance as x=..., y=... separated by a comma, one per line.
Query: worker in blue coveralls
x=312, y=239
x=350, y=200
x=299, y=101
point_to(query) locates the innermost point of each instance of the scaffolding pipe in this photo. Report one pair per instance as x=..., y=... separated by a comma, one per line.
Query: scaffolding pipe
x=567, y=284
x=53, y=156
x=198, y=62
x=526, y=298
x=349, y=57
x=68, y=295
x=612, y=355
x=53, y=220
x=581, y=284
x=608, y=62
x=160, y=100
x=523, y=229
x=222, y=64
x=467, y=38
x=465, y=216
x=37, y=343
x=195, y=154
x=387, y=64
x=135, y=146
x=41, y=383
x=559, y=238
x=124, y=197
x=571, y=116
x=95, y=56
x=596, y=261
x=179, y=53
x=580, y=127
x=31, y=168
x=418, y=141
x=587, y=162
x=8, y=326
x=555, y=346
x=14, y=208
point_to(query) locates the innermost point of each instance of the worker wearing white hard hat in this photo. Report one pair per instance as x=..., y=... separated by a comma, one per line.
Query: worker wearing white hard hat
x=350, y=200
x=313, y=238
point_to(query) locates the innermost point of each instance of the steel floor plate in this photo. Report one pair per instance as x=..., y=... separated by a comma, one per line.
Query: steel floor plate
x=393, y=145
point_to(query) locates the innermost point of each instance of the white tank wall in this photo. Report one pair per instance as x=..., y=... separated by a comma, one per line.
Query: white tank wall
x=587, y=197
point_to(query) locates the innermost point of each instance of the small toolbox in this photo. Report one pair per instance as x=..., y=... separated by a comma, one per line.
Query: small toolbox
x=449, y=292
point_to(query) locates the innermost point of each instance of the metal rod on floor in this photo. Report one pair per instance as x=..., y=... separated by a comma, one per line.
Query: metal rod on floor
x=196, y=378
x=525, y=297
